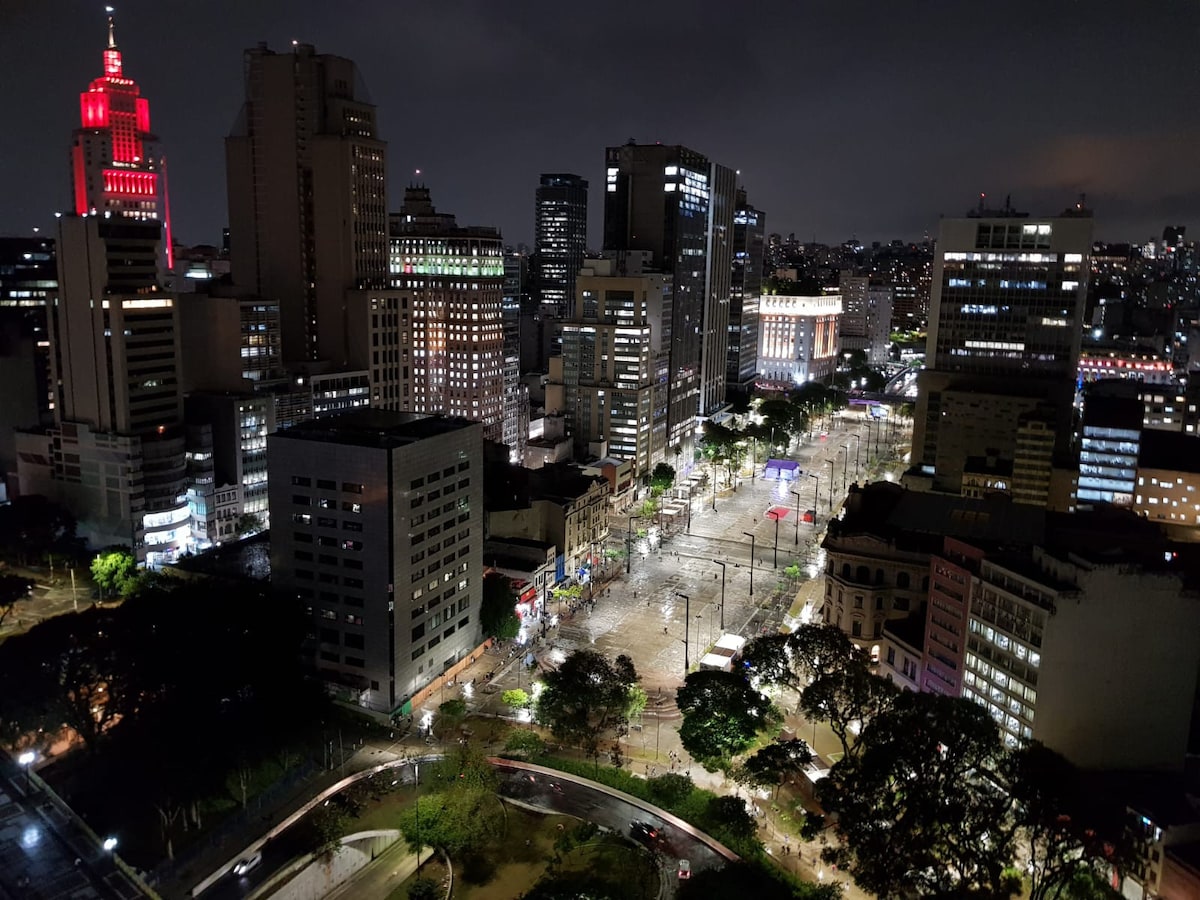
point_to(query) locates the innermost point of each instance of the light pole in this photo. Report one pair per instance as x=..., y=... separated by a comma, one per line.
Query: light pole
x=751, y=536
x=831, y=479
x=816, y=497
x=845, y=465
x=628, y=545
x=689, y=524
x=687, y=626
x=857, y=438
x=796, y=494
x=775, y=560
x=26, y=760
x=417, y=803
x=722, y=565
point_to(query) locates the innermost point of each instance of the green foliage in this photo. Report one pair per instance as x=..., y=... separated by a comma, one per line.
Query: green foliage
x=458, y=811
x=497, y=612
x=327, y=824
x=847, y=698
x=1073, y=836
x=249, y=523
x=528, y=743
x=762, y=882
x=515, y=698
x=424, y=889
x=722, y=715
x=775, y=763
x=663, y=476
x=450, y=715
x=13, y=590
x=769, y=660
x=819, y=649
x=636, y=700
x=587, y=698
x=115, y=572
x=918, y=809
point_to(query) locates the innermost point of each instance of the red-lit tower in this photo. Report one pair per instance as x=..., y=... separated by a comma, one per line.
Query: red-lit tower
x=116, y=164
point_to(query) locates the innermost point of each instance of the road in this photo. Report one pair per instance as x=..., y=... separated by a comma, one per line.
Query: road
x=554, y=794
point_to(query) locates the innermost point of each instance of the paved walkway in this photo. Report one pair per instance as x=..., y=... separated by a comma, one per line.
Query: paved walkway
x=382, y=875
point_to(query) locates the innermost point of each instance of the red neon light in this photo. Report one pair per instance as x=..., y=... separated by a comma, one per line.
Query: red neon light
x=124, y=183
x=143, y=115
x=81, y=205
x=93, y=109
x=112, y=63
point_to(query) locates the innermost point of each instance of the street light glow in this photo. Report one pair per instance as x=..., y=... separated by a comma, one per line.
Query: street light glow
x=27, y=758
x=110, y=844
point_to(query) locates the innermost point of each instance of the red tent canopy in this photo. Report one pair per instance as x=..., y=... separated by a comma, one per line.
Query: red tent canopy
x=778, y=512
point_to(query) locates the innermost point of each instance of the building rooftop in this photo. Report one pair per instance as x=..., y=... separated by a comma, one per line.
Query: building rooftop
x=379, y=428
x=910, y=630
x=1101, y=411
x=507, y=486
x=1169, y=450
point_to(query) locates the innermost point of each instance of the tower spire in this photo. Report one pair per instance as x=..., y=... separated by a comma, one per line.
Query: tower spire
x=112, y=35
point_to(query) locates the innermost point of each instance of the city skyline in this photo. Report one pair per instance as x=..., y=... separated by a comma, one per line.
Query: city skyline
x=845, y=123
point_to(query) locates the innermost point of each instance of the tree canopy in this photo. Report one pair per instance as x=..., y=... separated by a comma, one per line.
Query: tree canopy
x=663, y=476
x=722, y=715
x=115, y=572
x=32, y=526
x=774, y=763
x=587, y=698
x=919, y=809
x=457, y=810
x=497, y=612
x=13, y=590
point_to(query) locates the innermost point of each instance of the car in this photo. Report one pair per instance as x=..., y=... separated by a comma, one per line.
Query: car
x=247, y=864
x=685, y=869
x=810, y=515
x=644, y=831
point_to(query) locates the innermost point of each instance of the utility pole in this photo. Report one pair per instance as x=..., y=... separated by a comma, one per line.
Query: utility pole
x=816, y=497
x=628, y=544
x=751, y=536
x=687, y=627
x=796, y=494
x=722, y=565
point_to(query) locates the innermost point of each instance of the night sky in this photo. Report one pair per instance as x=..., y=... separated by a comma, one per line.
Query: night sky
x=845, y=118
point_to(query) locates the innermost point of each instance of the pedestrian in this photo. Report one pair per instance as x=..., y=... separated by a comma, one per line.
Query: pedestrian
x=664, y=629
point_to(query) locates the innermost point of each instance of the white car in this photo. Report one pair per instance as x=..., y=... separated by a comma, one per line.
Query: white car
x=242, y=866
x=685, y=868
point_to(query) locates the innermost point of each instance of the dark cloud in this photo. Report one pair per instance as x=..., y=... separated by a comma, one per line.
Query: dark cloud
x=844, y=116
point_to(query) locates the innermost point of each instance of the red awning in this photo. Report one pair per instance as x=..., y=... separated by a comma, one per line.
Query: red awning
x=778, y=512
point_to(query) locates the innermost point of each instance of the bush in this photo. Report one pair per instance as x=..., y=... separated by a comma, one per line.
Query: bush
x=424, y=889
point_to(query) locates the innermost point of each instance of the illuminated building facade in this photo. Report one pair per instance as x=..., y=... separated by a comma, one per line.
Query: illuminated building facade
x=1005, y=327
x=378, y=531
x=745, y=288
x=560, y=238
x=797, y=339
x=614, y=364
x=447, y=311
x=116, y=165
x=677, y=205
x=306, y=178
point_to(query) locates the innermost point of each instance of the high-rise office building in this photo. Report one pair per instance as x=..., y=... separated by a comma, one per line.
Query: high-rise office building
x=447, y=301
x=745, y=289
x=612, y=384
x=116, y=164
x=679, y=206
x=1004, y=336
x=560, y=239
x=866, y=316
x=307, y=197
x=378, y=528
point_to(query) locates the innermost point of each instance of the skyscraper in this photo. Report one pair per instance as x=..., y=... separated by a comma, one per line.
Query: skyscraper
x=674, y=203
x=448, y=285
x=560, y=239
x=307, y=196
x=745, y=288
x=116, y=164
x=1004, y=335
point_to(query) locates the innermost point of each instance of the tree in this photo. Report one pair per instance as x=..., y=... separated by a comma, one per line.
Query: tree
x=775, y=763
x=115, y=571
x=1073, y=836
x=663, y=476
x=450, y=715
x=424, y=889
x=847, y=698
x=32, y=526
x=919, y=809
x=249, y=523
x=819, y=649
x=741, y=879
x=586, y=698
x=722, y=714
x=515, y=698
x=497, y=612
x=769, y=660
x=13, y=590
x=461, y=811
x=527, y=743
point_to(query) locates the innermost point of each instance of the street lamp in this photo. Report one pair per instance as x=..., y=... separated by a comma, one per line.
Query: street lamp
x=796, y=494
x=722, y=565
x=831, y=479
x=845, y=465
x=417, y=803
x=751, y=536
x=110, y=844
x=816, y=496
x=775, y=559
x=857, y=438
x=628, y=544
x=687, y=627
x=26, y=760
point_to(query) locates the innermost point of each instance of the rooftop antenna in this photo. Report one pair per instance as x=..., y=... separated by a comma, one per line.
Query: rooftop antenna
x=112, y=36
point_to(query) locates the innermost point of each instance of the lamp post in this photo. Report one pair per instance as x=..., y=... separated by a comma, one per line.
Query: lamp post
x=687, y=627
x=857, y=438
x=775, y=560
x=816, y=497
x=845, y=465
x=796, y=494
x=628, y=544
x=722, y=565
x=417, y=804
x=831, y=479
x=751, y=536
x=689, y=524
x=26, y=760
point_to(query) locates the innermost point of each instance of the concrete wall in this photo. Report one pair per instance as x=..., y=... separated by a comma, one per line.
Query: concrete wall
x=320, y=877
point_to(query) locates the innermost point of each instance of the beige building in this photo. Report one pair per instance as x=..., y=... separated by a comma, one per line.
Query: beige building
x=556, y=503
x=610, y=382
x=1168, y=479
x=798, y=338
